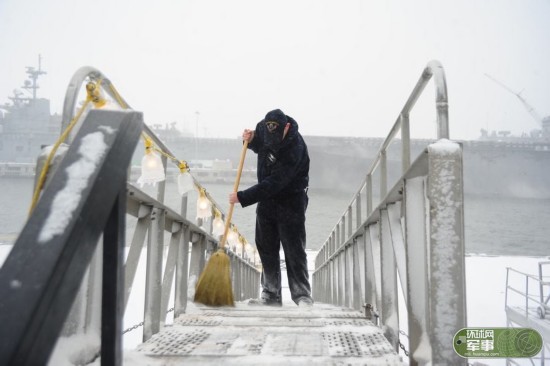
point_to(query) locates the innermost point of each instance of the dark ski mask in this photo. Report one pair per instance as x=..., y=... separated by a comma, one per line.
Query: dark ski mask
x=275, y=122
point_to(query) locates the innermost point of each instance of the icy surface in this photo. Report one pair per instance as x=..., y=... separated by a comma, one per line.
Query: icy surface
x=91, y=152
x=445, y=146
x=445, y=206
x=61, y=149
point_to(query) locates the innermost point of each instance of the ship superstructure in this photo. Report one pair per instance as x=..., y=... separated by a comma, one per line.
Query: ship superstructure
x=26, y=123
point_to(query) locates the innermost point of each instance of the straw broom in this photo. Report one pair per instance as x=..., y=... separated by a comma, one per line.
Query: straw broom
x=214, y=284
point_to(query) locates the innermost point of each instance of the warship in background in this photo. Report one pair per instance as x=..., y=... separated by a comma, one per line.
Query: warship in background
x=537, y=135
x=26, y=125
x=496, y=164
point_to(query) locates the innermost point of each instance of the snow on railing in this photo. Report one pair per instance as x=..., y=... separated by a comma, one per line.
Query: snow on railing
x=414, y=233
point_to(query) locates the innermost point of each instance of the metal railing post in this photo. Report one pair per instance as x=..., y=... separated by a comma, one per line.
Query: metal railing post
x=417, y=266
x=390, y=315
x=182, y=274
x=369, y=194
x=358, y=216
x=153, y=280
x=132, y=260
x=445, y=193
x=170, y=268
x=405, y=143
x=383, y=174
x=112, y=299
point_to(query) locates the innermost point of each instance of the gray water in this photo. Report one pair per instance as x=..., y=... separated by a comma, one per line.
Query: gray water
x=494, y=226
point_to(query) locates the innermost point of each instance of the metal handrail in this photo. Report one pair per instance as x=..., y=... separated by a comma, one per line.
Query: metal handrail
x=51, y=254
x=88, y=73
x=433, y=69
x=154, y=219
x=537, y=299
x=196, y=231
x=359, y=259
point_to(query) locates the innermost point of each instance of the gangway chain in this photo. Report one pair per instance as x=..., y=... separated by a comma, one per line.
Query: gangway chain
x=253, y=335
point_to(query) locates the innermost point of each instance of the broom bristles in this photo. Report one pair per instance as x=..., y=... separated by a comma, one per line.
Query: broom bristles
x=214, y=284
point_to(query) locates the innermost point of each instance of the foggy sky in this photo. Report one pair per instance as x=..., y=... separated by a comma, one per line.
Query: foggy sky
x=342, y=68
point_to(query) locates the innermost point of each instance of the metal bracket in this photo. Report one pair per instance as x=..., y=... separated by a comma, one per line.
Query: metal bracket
x=195, y=237
x=144, y=211
x=176, y=226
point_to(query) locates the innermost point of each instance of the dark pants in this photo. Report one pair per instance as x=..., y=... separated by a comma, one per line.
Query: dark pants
x=282, y=221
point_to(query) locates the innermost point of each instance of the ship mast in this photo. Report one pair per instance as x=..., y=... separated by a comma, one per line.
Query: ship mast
x=33, y=75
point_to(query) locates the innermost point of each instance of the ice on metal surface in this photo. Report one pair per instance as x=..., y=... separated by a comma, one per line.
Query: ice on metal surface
x=246, y=335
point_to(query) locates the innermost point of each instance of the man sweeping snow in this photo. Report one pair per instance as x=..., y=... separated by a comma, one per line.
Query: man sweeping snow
x=281, y=194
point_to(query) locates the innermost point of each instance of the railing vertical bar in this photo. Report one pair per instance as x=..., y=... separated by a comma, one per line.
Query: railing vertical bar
x=526, y=296
x=132, y=260
x=342, y=278
x=153, y=280
x=234, y=274
x=390, y=315
x=369, y=194
x=417, y=267
x=196, y=257
x=357, y=289
x=347, y=281
x=541, y=285
x=350, y=221
x=182, y=274
x=334, y=271
x=169, y=269
x=343, y=230
x=112, y=299
x=405, y=142
x=506, y=289
x=376, y=263
x=383, y=174
x=95, y=277
x=393, y=215
x=339, y=240
x=337, y=285
x=358, y=216
x=334, y=281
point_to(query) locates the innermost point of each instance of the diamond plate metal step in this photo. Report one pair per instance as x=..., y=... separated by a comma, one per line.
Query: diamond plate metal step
x=250, y=335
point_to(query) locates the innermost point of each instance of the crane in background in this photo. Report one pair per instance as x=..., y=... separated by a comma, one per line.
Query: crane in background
x=543, y=123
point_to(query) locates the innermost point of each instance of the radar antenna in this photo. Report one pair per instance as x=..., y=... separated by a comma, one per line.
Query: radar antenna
x=33, y=75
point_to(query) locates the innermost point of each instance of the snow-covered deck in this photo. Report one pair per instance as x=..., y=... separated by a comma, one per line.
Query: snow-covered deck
x=252, y=335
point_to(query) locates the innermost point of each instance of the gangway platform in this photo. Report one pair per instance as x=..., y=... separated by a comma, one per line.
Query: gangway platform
x=262, y=335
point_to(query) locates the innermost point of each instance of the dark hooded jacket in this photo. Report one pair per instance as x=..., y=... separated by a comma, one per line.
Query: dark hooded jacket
x=283, y=170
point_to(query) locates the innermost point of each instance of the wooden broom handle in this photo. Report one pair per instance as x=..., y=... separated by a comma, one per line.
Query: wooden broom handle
x=235, y=189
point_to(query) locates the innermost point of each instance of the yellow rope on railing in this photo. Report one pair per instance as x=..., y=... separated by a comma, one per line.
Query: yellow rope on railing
x=92, y=96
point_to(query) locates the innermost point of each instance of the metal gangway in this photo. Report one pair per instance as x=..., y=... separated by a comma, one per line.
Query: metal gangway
x=527, y=302
x=68, y=274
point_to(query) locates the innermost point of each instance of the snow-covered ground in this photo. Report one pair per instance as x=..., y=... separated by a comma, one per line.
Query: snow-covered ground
x=485, y=284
